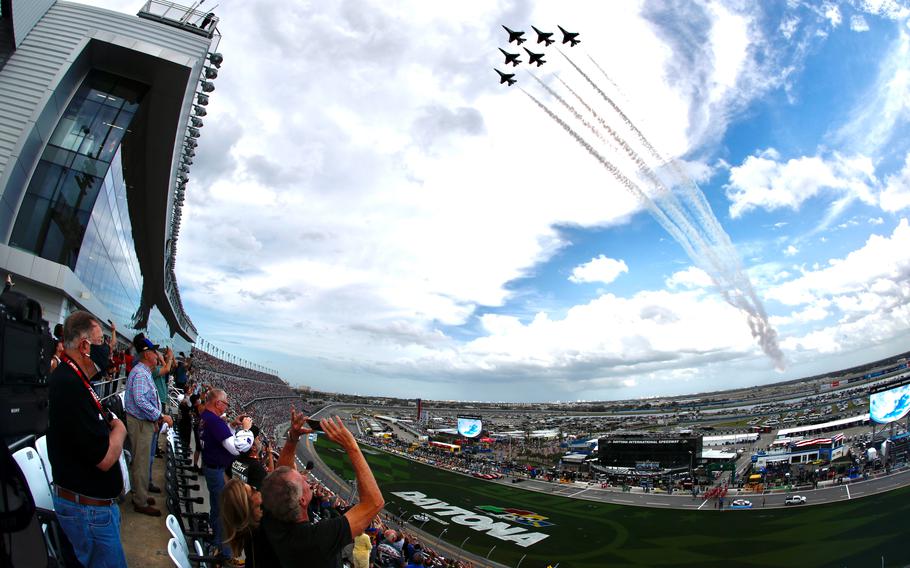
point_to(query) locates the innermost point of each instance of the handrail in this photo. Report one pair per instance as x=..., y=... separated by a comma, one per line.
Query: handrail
x=177, y=15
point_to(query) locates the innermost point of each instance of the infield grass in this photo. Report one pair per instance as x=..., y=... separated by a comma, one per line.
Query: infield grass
x=856, y=533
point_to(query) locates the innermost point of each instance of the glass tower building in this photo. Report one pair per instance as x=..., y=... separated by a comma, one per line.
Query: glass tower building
x=100, y=113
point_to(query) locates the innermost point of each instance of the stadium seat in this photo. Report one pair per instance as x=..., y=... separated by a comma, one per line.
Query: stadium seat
x=32, y=467
x=178, y=556
x=41, y=446
x=173, y=526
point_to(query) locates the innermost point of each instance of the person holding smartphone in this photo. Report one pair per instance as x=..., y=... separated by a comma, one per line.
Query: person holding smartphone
x=286, y=496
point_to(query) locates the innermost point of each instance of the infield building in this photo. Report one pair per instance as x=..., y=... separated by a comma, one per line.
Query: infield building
x=646, y=452
x=100, y=113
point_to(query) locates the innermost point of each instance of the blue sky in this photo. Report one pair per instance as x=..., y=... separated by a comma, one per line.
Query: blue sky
x=372, y=212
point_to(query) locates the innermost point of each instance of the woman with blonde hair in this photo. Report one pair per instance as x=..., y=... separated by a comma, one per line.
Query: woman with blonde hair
x=241, y=511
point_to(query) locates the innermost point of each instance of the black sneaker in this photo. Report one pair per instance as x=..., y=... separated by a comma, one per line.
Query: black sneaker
x=154, y=488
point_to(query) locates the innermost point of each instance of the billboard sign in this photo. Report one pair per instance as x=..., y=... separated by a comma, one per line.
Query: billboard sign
x=470, y=426
x=889, y=404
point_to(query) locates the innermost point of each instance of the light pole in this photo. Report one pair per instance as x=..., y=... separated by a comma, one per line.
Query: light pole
x=444, y=531
x=491, y=551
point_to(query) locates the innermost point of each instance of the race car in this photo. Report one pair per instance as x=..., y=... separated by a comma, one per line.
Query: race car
x=741, y=504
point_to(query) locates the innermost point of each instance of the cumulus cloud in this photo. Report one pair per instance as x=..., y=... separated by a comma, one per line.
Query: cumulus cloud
x=690, y=278
x=599, y=269
x=858, y=23
x=791, y=251
x=765, y=182
x=896, y=194
x=832, y=14
x=847, y=280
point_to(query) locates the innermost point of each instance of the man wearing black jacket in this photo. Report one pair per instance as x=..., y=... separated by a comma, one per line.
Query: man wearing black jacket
x=84, y=442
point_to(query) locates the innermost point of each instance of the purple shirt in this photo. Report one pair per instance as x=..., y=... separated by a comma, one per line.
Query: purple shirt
x=212, y=432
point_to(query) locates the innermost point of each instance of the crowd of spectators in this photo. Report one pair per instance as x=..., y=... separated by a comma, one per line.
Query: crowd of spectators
x=203, y=360
x=266, y=403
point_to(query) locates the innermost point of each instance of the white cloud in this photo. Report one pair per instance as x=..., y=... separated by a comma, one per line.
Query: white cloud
x=599, y=269
x=765, y=182
x=832, y=14
x=896, y=195
x=876, y=221
x=884, y=107
x=845, y=281
x=791, y=251
x=858, y=23
x=690, y=278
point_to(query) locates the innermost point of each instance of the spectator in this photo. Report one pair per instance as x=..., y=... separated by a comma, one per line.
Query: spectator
x=285, y=496
x=180, y=373
x=84, y=443
x=185, y=415
x=417, y=561
x=218, y=451
x=143, y=418
x=159, y=375
x=248, y=467
x=362, y=548
x=241, y=514
x=58, y=353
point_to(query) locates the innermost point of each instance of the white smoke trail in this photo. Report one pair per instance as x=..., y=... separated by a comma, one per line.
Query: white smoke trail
x=691, y=223
x=630, y=185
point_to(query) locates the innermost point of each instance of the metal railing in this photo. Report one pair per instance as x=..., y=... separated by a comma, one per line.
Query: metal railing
x=190, y=18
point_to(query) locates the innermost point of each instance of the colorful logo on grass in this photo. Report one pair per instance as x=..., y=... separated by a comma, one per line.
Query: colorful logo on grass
x=520, y=516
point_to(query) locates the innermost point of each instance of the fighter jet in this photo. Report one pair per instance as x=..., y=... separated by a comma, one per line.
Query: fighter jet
x=506, y=77
x=569, y=37
x=515, y=36
x=543, y=37
x=511, y=57
x=534, y=57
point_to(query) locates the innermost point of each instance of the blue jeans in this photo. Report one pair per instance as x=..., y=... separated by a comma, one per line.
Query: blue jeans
x=94, y=533
x=214, y=480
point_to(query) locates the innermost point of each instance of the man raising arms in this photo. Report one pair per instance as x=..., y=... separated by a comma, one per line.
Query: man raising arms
x=286, y=495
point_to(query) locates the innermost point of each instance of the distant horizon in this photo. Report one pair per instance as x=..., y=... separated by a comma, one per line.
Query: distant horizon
x=845, y=371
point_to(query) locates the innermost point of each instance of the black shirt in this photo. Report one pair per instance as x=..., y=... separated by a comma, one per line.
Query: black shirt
x=312, y=545
x=249, y=470
x=77, y=438
x=257, y=550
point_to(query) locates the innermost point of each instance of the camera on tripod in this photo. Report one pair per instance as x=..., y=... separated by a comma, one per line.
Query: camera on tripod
x=26, y=348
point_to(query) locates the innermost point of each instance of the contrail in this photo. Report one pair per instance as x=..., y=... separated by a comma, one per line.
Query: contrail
x=630, y=185
x=692, y=225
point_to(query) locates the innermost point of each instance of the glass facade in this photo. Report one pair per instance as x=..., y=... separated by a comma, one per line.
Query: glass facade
x=62, y=192
x=75, y=210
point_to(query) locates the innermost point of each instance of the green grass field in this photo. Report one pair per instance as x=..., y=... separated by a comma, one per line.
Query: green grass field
x=587, y=534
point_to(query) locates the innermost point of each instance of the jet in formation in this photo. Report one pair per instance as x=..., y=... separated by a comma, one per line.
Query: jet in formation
x=543, y=37
x=569, y=37
x=516, y=36
x=506, y=77
x=511, y=57
x=535, y=57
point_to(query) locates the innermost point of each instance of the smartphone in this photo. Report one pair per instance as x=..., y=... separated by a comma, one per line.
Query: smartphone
x=314, y=424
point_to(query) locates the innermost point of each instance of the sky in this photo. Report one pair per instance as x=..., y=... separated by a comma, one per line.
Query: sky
x=372, y=212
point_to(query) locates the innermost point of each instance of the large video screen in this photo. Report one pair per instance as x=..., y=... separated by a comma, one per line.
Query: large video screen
x=470, y=426
x=890, y=404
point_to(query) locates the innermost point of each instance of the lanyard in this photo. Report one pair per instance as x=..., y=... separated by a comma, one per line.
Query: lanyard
x=72, y=364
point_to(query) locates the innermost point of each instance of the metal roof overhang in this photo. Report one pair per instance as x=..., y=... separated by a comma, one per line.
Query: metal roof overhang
x=147, y=156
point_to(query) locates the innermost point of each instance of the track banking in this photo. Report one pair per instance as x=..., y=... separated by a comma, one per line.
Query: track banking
x=502, y=531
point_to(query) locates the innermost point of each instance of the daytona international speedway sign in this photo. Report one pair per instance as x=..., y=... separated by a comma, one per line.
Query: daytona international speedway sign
x=482, y=523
